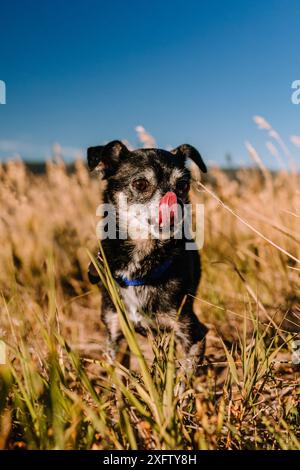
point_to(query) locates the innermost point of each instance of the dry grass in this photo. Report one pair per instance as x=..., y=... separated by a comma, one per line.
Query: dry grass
x=57, y=391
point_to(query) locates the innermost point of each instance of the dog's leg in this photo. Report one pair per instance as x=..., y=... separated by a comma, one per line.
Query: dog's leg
x=191, y=334
x=198, y=333
x=114, y=334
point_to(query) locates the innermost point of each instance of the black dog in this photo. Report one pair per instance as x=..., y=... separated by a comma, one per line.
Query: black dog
x=154, y=271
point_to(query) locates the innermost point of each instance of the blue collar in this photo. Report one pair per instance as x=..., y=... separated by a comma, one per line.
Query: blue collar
x=153, y=276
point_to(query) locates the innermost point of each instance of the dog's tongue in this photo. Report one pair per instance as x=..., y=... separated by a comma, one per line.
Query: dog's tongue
x=167, y=208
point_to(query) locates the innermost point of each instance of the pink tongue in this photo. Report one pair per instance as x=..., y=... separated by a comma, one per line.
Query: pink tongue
x=167, y=207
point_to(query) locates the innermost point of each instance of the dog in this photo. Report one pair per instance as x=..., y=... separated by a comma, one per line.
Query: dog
x=156, y=272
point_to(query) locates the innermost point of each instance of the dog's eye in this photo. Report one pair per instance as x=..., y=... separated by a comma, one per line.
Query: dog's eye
x=183, y=186
x=141, y=185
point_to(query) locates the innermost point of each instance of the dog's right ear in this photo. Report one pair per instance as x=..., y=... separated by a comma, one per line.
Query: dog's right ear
x=105, y=158
x=188, y=152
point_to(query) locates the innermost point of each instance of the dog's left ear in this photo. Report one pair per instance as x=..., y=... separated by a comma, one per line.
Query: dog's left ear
x=93, y=274
x=187, y=152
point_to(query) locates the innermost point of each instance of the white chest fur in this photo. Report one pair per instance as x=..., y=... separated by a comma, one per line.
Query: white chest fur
x=132, y=303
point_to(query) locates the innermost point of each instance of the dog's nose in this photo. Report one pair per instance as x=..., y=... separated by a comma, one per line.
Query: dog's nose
x=167, y=208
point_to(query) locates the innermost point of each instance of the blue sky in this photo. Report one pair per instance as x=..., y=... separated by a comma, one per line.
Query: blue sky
x=85, y=72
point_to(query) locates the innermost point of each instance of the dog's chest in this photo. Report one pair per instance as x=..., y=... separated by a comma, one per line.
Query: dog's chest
x=134, y=301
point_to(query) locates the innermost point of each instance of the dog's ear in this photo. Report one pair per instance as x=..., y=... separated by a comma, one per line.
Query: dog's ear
x=188, y=152
x=94, y=156
x=105, y=158
x=93, y=274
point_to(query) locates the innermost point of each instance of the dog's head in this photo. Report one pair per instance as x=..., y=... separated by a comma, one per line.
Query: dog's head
x=146, y=187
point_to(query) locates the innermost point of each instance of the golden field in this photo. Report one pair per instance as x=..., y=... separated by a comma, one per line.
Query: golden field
x=56, y=389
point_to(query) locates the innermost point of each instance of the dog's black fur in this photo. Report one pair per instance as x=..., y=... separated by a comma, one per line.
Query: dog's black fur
x=156, y=304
